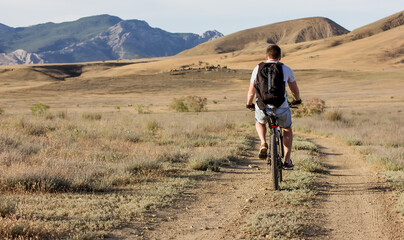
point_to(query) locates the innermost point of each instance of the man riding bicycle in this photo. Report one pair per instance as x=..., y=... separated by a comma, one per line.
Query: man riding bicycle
x=278, y=103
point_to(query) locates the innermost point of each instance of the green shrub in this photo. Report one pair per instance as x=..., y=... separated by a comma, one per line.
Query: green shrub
x=1, y=111
x=178, y=105
x=91, y=116
x=39, y=109
x=189, y=104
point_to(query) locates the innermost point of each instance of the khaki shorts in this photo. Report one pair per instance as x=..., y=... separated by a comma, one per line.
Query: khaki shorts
x=283, y=115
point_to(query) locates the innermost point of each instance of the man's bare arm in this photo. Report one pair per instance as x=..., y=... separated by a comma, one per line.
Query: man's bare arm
x=251, y=94
x=295, y=90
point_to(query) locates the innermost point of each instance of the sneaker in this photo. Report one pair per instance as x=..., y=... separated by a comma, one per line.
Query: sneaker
x=263, y=153
x=288, y=165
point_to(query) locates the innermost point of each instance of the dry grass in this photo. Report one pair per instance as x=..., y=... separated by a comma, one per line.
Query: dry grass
x=376, y=134
x=65, y=176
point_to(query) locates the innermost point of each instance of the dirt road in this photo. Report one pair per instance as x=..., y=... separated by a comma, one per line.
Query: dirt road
x=354, y=202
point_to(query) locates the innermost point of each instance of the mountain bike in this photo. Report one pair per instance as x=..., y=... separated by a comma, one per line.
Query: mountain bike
x=276, y=150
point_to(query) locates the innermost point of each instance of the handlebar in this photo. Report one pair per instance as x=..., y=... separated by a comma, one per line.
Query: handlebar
x=292, y=104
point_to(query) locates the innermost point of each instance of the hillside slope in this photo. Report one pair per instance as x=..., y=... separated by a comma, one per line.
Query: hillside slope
x=382, y=25
x=288, y=32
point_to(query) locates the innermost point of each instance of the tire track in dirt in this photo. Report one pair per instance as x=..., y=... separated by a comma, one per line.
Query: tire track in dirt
x=221, y=205
x=356, y=201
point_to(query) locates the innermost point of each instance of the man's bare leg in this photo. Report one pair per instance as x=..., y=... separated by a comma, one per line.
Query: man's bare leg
x=287, y=142
x=261, y=130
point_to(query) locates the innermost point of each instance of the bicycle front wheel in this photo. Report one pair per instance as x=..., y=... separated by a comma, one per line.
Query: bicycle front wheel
x=274, y=161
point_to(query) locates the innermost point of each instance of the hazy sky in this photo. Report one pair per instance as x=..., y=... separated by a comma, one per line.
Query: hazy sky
x=197, y=16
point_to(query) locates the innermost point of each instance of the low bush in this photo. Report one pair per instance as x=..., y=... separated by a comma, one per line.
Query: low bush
x=39, y=109
x=174, y=156
x=309, y=107
x=205, y=163
x=334, y=115
x=143, y=165
x=353, y=141
x=142, y=109
x=189, y=104
x=35, y=129
x=1, y=111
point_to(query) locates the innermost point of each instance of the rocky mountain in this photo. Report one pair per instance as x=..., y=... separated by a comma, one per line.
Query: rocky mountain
x=95, y=38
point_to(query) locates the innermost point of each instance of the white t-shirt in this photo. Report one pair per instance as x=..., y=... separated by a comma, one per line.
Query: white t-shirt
x=288, y=76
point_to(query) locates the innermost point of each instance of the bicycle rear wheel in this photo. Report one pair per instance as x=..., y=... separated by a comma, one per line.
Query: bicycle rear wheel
x=274, y=161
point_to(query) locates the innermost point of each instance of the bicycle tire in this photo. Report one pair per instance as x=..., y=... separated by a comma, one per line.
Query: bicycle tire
x=274, y=161
x=280, y=156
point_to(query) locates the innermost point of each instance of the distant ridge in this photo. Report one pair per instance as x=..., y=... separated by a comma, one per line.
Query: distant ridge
x=294, y=31
x=94, y=38
x=382, y=25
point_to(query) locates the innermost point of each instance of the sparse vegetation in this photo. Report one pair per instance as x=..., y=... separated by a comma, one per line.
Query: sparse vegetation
x=334, y=115
x=39, y=109
x=142, y=109
x=7, y=207
x=134, y=164
x=91, y=116
x=62, y=115
x=206, y=162
x=1, y=111
x=189, y=104
x=309, y=107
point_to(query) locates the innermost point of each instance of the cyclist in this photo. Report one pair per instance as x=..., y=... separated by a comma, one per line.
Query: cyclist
x=283, y=113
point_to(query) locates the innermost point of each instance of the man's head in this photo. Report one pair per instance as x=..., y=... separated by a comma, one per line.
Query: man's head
x=273, y=52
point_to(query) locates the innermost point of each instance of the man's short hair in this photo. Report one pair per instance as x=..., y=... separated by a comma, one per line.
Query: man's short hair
x=274, y=51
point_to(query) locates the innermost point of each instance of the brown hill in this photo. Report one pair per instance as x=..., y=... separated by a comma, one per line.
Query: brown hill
x=382, y=25
x=294, y=31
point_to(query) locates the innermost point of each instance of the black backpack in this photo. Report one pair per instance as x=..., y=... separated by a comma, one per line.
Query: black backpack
x=270, y=74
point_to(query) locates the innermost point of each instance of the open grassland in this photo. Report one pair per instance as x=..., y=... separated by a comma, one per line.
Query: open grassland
x=70, y=174
x=109, y=150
